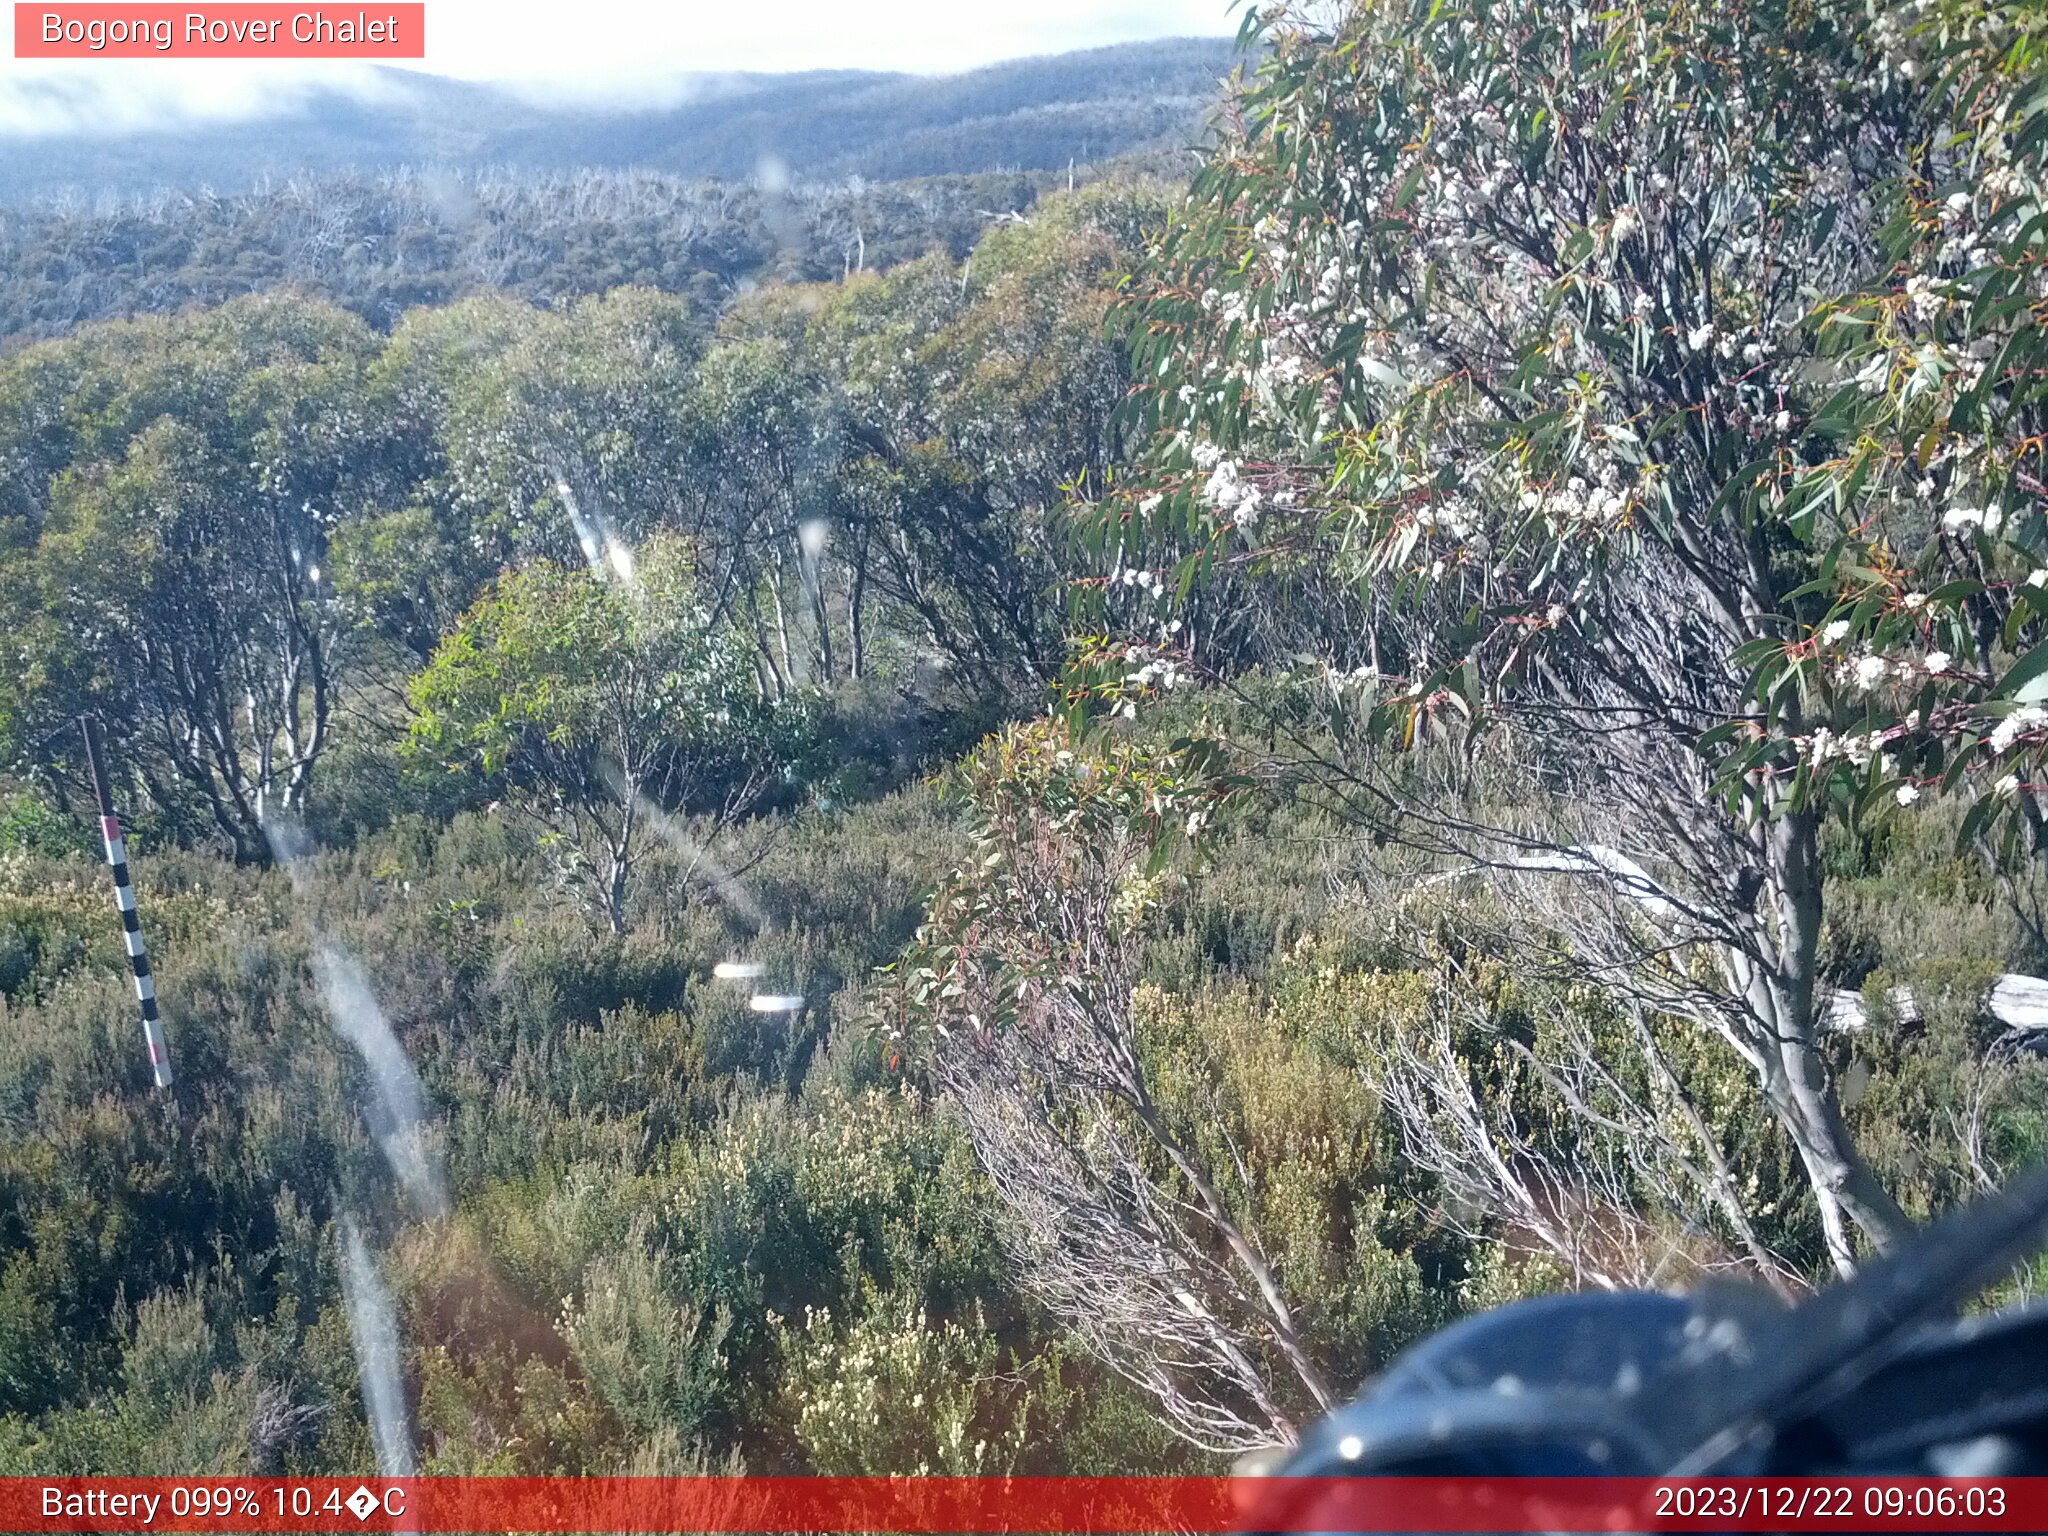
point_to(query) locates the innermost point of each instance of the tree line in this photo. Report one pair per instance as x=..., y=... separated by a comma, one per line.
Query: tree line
x=235, y=534
x=380, y=245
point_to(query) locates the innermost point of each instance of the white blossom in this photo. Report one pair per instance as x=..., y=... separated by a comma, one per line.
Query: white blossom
x=1987, y=518
x=1247, y=512
x=2015, y=725
x=1224, y=489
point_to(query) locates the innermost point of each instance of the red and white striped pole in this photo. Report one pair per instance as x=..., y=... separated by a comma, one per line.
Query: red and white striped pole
x=124, y=898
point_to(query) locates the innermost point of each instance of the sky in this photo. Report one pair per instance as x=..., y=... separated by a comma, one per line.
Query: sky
x=601, y=51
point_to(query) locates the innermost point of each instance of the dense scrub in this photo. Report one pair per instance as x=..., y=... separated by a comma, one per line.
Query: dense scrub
x=680, y=1230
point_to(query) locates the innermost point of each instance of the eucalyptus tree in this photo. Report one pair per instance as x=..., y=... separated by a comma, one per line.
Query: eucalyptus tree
x=1922, y=668
x=925, y=426
x=547, y=427
x=170, y=505
x=601, y=704
x=1019, y=996
x=763, y=443
x=1493, y=333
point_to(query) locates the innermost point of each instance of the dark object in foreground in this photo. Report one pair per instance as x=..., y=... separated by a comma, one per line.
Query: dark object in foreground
x=1876, y=1376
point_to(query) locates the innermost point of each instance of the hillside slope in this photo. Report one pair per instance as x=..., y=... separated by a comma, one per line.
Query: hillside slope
x=1027, y=114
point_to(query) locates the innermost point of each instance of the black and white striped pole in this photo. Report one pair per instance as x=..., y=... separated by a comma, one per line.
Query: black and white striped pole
x=124, y=898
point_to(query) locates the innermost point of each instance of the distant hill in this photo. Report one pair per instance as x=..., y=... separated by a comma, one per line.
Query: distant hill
x=1025, y=115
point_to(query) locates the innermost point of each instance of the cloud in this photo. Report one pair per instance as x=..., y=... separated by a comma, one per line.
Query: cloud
x=126, y=96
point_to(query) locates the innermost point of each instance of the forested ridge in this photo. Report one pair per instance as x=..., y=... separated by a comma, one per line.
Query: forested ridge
x=924, y=843
x=416, y=190
x=1038, y=114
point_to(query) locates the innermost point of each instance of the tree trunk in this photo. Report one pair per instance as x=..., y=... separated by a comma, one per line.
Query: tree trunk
x=1783, y=1047
x=781, y=623
x=764, y=654
x=856, y=612
x=620, y=862
x=1802, y=1096
x=813, y=573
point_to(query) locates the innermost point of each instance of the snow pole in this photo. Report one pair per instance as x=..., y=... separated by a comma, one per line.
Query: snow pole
x=124, y=898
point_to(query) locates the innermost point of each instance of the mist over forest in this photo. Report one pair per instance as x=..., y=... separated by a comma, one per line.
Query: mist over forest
x=411, y=189
x=1023, y=115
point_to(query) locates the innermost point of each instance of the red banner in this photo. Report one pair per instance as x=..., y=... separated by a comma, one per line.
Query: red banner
x=1054, y=1506
x=235, y=31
